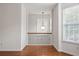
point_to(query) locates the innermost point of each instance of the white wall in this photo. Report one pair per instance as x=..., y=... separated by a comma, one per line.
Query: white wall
x=55, y=26
x=32, y=23
x=35, y=23
x=1, y=17
x=13, y=27
x=69, y=47
x=10, y=26
x=24, y=26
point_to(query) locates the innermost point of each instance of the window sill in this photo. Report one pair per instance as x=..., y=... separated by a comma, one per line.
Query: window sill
x=70, y=42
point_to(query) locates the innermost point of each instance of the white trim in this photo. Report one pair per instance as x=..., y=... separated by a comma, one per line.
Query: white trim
x=59, y=27
x=23, y=47
x=69, y=53
x=55, y=47
x=70, y=42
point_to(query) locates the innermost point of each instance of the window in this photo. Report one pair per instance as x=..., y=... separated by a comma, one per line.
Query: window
x=71, y=24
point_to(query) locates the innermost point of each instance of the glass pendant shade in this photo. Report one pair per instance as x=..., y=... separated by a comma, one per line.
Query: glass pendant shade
x=42, y=27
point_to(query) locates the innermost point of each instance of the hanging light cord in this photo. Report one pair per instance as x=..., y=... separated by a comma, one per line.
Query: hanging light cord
x=42, y=18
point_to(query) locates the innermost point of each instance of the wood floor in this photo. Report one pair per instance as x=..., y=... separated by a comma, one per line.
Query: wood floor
x=35, y=51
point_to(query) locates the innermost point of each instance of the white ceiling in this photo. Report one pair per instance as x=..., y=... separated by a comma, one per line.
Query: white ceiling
x=37, y=8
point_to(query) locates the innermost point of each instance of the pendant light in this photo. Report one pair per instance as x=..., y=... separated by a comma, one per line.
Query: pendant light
x=42, y=27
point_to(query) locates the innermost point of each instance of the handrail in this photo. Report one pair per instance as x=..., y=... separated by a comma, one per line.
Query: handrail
x=38, y=33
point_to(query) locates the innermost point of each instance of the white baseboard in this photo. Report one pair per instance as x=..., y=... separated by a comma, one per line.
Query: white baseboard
x=74, y=54
x=10, y=50
x=14, y=49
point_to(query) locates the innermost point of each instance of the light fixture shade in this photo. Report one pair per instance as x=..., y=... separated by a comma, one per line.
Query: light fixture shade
x=42, y=27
